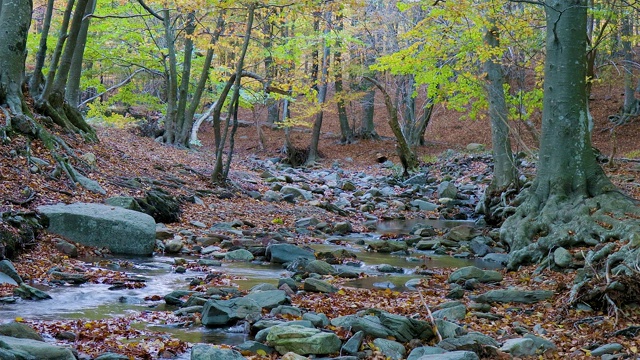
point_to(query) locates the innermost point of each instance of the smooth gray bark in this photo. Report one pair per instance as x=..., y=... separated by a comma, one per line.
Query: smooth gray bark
x=57, y=52
x=182, y=125
x=75, y=73
x=15, y=19
x=37, y=78
x=346, y=135
x=570, y=191
x=171, y=78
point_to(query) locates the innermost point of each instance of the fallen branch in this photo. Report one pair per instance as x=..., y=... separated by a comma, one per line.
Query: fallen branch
x=120, y=84
x=433, y=321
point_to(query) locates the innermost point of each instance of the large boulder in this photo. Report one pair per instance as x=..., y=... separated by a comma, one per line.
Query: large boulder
x=472, y=272
x=515, y=295
x=36, y=349
x=120, y=230
x=381, y=324
x=302, y=340
x=223, y=312
x=209, y=352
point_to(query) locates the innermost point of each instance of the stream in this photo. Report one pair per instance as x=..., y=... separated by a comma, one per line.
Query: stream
x=96, y=301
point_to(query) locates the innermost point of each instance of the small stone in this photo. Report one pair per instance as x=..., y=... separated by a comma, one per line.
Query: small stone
x=607, y=349
x=562, y=257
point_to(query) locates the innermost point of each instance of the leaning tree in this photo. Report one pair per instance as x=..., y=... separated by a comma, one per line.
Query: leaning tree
x=571, y=202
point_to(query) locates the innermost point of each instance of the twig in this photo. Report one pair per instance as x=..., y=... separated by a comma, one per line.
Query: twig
x=433, y=321
x=58, y=190
x=614, y=307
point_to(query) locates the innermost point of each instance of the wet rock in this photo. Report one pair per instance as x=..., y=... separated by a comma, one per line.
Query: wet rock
x=472, y=272
x=209, y=262
x=19, y=330
x=390, y=349
x=352, y=346
x=163, y=232
x=427, y=244
x=449, y=329
x=562, y=257
x=268, y=299
x=263, y=287
x=293, y=356
x=40, y=350
x=111, y=356
x=387, y=246
x=30, y=293
x=479, y=246
x=418, y=352
x=316, y=285
x=175, y=297
x=286, y=310
x=103, y=226
x=453, y=355
x=223, y=312
x=239, y=255
x=320, y=267
x=208, y=352
x=67, y=248
x=513, y=296
x=7, y=268
x=174, y=245
x=69, y=277
x=386, y=268
x=303, y=341
x=286, y=253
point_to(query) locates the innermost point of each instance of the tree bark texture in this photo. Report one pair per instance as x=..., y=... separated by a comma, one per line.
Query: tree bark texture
x=15, y=19
x=37, y=78
x=571, y=197
x=75, y=72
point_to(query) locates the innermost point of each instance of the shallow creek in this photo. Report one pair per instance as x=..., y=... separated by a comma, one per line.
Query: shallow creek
x=94, y=301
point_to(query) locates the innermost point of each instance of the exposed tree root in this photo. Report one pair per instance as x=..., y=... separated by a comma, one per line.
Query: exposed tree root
x=296, y=156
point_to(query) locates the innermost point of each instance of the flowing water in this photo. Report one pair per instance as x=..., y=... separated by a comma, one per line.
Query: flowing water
x=95, y=301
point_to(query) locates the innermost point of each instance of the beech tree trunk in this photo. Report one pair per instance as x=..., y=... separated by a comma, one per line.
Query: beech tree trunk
x=571, y=197
x=346, y=135
x=15, y=19
x=37, y=78
x=75, y=73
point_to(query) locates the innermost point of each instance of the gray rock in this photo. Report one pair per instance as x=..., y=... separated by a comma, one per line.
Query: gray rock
x=36, y=349
x=343, y=227
x=318, y=320
x=67, y=248
x=223, y=312
x=519, y=347
x=386, y=268
x=163, y=232
x=209, y=262
x=316, y=285
x=254, y=346
x=478, y=247
x=472, y=272
x=7, y=268
x=175, y=297
x=475, y=147
x=352, y=346
x=540, y=344
x=239, y=255
x=378, y=323
x=286, y=310
x=267, y=299
x=513, y=296
x=427, y=244
x=390, y=349
x=29, y=292
x=120, y=230
x=296, y=192
x=473, y=341
x=19, y=330
x=111, y=356
x=418, y=352
x=6, y=279
x=462, y=233
x=448, y=329
x=263, y=287
x=502, y=259
x=452, y=313
x=562, y=257
x=174, y=245
x=453, y=355
x=607, y=349
x=320, y=267
x=423, y=205
x=387, y=246
x=209, y=352
x=418, y=179
x=126, y=202
x=307, y=222
x=302, y=340
x=272, y=196
x=286, y=253
x=447, y=189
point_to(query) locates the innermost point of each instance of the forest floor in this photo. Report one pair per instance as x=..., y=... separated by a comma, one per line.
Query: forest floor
x=123, y=154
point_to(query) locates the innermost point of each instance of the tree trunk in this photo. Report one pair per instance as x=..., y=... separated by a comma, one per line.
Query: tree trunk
x=55, y=58
x=571, y=196
x=182, y=125
x=219, y=175
x=37, y=78
x=630, y=107
x=15, y=19
x=322, y=96
x=75, y=73
x=273, y=106
x=346, y=135
x=171, y=73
